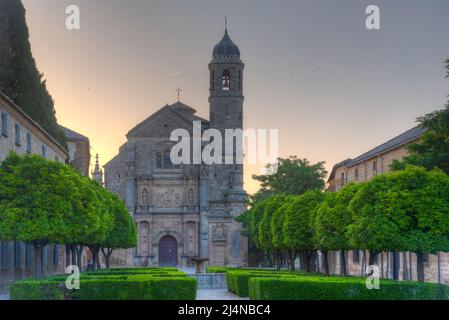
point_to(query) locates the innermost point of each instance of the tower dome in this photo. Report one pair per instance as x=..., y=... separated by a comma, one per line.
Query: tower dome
x=226, y=47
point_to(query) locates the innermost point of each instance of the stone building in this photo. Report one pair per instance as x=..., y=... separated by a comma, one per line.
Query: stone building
x=20, y=134
x=185, y=210
x=395, y=265
x=78, y=147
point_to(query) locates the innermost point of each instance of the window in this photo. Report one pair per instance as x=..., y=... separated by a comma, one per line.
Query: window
x=17, y=127
x=167, y=160
x=375, y=166
x=240, y=80
x=4, y=124
x=29, y=143
x=159, y=161
x=163, y=161
x=28, y=255
x=355, y=256
x=342, y=179
x=56, y=158
x=17, y=254
x=4, y=255
x=212, y=80
x=226, y=80
x=44, y=151
x=356, y=174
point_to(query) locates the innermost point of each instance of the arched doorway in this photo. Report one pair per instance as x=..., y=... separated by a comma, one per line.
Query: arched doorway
x=168, y=252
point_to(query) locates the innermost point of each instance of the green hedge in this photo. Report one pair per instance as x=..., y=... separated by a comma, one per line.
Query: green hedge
x=238, y=280
x=216, y=269
x=108, y=286
x=342, y=288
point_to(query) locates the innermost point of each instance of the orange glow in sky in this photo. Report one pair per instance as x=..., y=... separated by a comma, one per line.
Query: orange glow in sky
x=332, y=88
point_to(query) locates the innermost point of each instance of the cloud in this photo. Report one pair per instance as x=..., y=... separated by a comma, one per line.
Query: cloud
x=177, y=73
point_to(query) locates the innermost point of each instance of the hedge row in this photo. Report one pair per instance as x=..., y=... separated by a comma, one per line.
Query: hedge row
x=149, y=285
x=237, y=280
x=342, y=288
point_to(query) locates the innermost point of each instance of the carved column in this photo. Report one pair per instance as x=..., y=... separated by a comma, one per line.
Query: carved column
x=204, y=208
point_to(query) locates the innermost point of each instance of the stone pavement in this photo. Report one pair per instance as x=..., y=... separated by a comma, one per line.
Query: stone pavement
x=216, y=294
x=4, y=297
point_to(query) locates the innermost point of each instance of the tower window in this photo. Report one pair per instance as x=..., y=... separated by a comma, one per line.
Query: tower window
x=240, y=80
x=159, y=161
x=226, y=80
x=29, y=143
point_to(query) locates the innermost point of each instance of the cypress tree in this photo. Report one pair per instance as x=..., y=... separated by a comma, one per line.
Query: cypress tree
x=20, y=79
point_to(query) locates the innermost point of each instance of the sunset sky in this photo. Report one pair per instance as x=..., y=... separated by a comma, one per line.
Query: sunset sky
x=333, y=88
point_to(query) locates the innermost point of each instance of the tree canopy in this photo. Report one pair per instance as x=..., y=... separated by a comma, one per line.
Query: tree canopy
x=44, y=202
x=432, y=150
x=293, y=177
x=20, y=79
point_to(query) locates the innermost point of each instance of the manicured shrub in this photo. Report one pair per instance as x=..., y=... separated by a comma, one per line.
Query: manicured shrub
x=237, y=280
x=217, y=269
x=36, y=290
x=173, y=288
x=104, y=285
x=342, y=288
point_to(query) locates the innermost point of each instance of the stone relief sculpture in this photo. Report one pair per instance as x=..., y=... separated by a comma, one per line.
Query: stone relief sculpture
x=168, y=199
x=219, y=232
x=191, y=238
x=191, y=197
x=145, y=197
x=143, y=236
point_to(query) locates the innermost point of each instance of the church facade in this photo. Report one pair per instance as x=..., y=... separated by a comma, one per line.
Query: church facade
x=185, y=210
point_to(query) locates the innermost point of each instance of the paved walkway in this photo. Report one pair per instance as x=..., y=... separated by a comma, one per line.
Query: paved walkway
x=216, y=294
x=4, y=297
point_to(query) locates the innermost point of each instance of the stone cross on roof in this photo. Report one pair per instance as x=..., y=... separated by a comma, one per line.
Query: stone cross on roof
x=179, y=90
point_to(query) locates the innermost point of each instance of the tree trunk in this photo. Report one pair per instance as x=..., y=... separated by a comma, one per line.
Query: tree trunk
x=372, y=257
x=404, y=266
x=381, y=264
x=95, y=257
x=79, y=257
x=67, y=255
x=107, y=253
x=343, y=270
x=291, y=260
x=388, y=266
x=38, y=261
x=410, y=265
x=73, y=251
x=420, y=266
x=325, y=262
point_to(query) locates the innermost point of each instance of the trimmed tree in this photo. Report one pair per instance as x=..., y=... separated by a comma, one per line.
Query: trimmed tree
x=402, y=211
x=293, y=176
x=298, y=225
x=35, y=202
x=123, y=234
x=331, y=224
x=277, y=234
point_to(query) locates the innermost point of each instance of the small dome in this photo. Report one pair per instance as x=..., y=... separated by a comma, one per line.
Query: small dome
x=226, y=47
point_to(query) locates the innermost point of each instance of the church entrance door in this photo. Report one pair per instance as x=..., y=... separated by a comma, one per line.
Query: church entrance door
x=168, y=252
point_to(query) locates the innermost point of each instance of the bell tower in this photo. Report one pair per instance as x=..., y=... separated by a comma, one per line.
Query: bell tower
x=226, y=111
x=226, y=85
x=227, y=198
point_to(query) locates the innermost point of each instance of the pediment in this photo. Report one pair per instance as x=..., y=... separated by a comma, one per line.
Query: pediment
x=162, y=123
